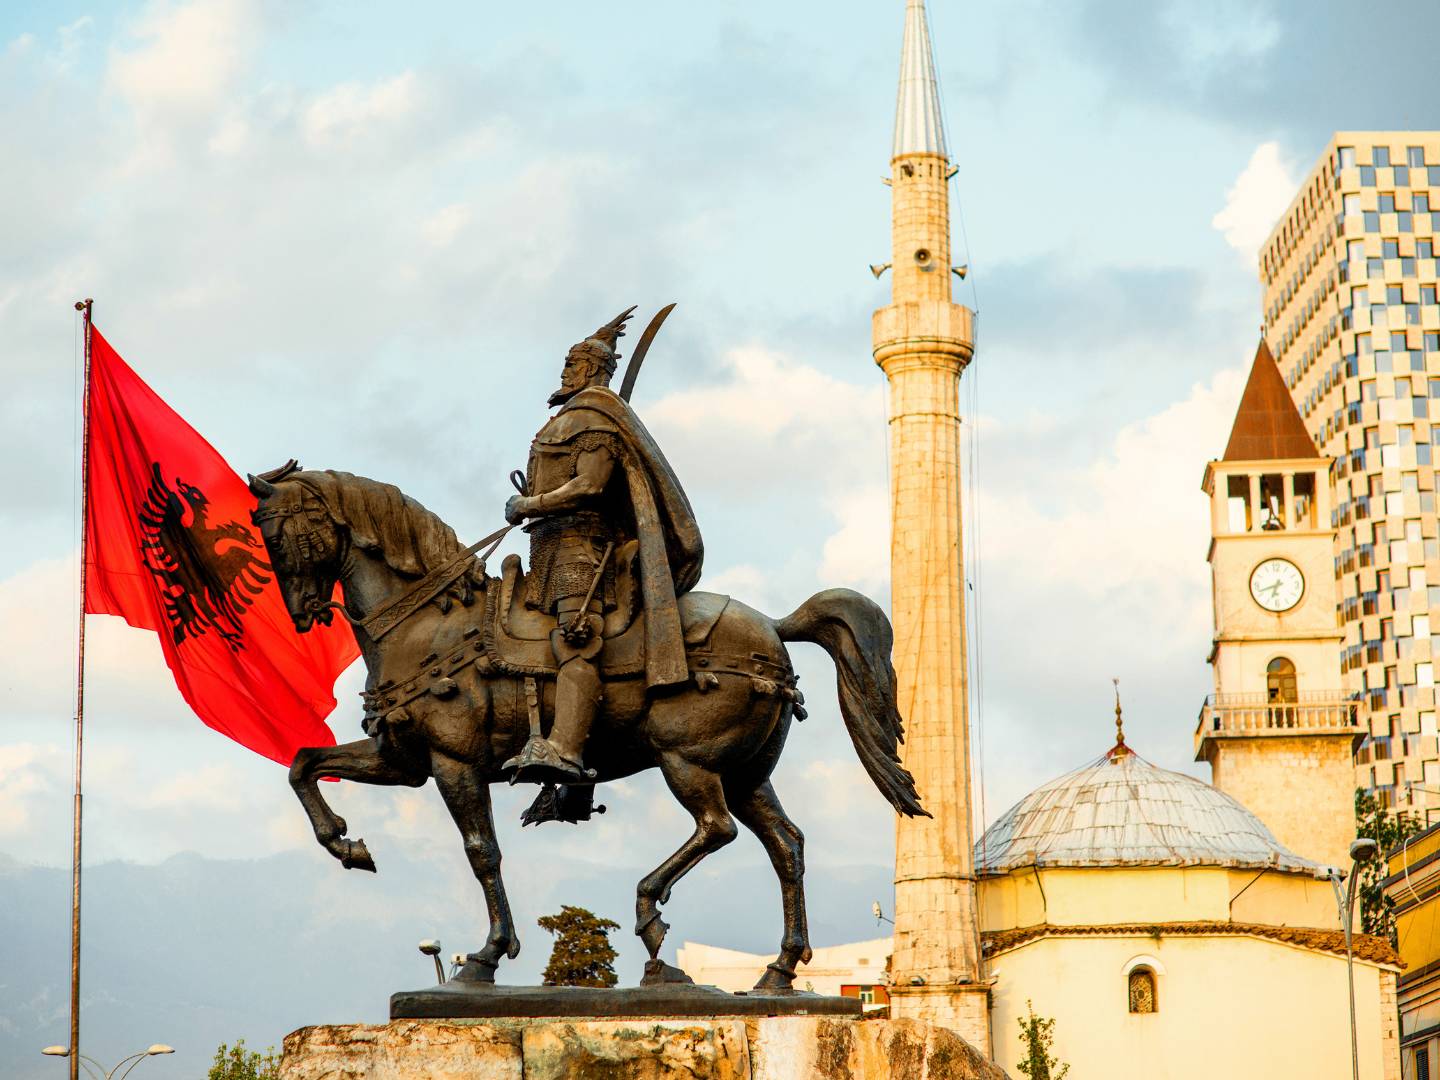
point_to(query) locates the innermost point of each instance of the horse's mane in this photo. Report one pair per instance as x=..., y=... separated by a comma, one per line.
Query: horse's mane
x=383, y=520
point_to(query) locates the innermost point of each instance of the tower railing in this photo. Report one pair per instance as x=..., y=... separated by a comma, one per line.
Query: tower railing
x=1311, y=711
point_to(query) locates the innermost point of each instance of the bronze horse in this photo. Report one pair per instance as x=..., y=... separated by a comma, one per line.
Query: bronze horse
x=439, y=705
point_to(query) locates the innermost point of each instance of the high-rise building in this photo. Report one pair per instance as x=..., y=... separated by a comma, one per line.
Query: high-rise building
x=922, y=341
x=1349, y=282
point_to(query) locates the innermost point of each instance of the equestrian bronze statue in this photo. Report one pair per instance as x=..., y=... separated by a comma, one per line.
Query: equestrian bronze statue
x=602, y=661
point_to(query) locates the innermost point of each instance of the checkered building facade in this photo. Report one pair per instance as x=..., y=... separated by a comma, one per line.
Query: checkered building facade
x=1349, y=278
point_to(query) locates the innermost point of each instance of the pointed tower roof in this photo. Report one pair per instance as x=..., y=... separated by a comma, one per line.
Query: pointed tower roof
x=917, y=108
x=1268, y=426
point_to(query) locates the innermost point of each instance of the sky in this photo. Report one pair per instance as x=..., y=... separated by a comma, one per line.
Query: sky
x=363, y=236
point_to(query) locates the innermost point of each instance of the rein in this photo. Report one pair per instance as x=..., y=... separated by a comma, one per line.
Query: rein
x=399, y=608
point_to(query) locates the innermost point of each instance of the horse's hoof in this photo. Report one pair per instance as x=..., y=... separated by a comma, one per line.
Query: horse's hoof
x=776, y=980
x=357, y=856
x=653, y=934
x=659, y=973
x=476, y=969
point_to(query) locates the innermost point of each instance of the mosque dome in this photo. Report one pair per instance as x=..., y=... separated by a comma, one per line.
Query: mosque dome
x=1123, y=811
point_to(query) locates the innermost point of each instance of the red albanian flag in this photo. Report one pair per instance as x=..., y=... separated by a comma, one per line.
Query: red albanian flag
x=170, y=548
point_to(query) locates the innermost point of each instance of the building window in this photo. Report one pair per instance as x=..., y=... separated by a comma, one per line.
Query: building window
x=1347, y=157
x=1381, y=156
x=1415, y=156
x=1142, y=990
x=1422, y=1064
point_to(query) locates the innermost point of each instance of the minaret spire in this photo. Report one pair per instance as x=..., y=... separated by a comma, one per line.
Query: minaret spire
x=923, y=341
x=917, y=106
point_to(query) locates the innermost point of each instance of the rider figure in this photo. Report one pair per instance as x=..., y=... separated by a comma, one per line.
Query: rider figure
x=595, y=480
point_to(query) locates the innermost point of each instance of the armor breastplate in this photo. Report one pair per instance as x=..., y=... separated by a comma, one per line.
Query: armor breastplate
x=550, y=467
x=554, y=448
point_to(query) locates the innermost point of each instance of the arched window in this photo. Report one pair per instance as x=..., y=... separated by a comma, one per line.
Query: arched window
x=1281, y=690
x=1142, y=990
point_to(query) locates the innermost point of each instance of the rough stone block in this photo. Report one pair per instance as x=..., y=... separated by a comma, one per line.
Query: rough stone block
x=770, y=1048
x=403, y=1050
x=637, y=1050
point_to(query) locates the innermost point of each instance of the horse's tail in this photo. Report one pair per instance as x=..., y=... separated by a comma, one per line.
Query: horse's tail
x=857, y=635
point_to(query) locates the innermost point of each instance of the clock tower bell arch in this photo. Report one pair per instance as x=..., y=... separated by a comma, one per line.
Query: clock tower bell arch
x=1279, y=730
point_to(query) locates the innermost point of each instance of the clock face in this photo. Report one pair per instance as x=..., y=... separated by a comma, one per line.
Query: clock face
x=1277, y=585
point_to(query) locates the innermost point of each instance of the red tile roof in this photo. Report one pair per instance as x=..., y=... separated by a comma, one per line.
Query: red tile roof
x=1365, y=946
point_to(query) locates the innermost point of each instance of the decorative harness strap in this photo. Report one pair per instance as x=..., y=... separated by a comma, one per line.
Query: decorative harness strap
x=395, y=611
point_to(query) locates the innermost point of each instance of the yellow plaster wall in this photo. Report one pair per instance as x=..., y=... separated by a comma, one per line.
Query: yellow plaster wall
x=1108, y=895
x=1418, y=931
x=1228, y=1007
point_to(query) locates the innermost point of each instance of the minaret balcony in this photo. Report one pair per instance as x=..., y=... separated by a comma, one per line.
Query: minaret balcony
x=925, y=332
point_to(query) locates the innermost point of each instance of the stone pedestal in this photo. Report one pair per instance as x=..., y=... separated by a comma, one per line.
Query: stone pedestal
x=756, y=1048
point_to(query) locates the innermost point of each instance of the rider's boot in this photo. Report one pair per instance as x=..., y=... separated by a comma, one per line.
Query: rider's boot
x=557, y=760
x=577, y=697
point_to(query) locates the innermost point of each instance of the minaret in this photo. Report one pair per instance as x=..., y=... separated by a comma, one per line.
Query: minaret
x=922, y=342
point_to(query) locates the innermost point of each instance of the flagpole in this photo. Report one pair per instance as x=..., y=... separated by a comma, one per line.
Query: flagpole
x=87, y=308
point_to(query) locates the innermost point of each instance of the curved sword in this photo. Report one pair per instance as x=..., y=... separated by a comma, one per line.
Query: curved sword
x=632, y=370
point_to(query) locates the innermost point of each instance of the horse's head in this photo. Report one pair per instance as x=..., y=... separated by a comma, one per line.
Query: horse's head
x=305, y=542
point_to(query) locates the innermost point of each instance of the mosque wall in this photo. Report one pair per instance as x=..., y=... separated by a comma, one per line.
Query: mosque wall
x=1093, y=897
x=1224, y=1007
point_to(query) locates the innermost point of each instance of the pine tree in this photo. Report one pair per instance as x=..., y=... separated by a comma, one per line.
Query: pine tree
x=582, y=955
x=1377, y=912
x=1036, y=1034
x=237, y=1063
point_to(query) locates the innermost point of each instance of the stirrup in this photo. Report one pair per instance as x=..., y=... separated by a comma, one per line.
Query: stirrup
x=539, y=762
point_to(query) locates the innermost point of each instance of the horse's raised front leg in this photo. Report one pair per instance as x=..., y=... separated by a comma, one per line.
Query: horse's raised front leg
x=467, y=796
x=760, y=811
x=360, y=761
x=700, y=792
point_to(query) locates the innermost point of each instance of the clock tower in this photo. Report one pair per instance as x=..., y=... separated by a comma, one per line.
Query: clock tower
x=1279, y=730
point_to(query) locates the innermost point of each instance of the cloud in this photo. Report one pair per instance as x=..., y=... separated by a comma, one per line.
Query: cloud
x=351, y=112
x=1255, y=202
x=857, y=554
x=29, y=773
x=183, y=58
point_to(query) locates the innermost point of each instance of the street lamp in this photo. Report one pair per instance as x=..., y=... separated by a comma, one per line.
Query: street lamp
x=94, y=1068
x=431, y=948
x=1361, y=850
x=879, y=913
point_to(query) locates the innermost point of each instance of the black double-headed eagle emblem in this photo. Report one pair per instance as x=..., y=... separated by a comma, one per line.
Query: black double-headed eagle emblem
x=209, y=575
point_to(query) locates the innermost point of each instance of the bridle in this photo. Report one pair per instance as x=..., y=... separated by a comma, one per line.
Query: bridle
x=310, y=545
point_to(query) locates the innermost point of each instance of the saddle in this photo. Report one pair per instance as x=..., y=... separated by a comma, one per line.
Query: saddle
x=517, y=637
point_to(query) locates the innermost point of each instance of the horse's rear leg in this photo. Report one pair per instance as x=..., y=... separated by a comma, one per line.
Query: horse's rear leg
x=360, y=761
x=700, y=792
x=761, y=812
x=467, y=796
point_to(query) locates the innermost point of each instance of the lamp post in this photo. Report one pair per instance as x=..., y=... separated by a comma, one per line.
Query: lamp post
x=94, y=1068
x=431, y=948
x=1361, y=850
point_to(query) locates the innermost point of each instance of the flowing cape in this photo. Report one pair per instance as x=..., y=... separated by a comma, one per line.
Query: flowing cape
x=671, y=551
